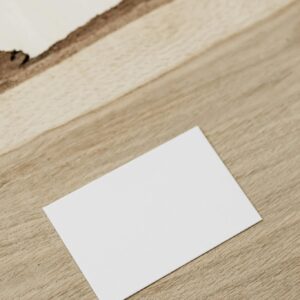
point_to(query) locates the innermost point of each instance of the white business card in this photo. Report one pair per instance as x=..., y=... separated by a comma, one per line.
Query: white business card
x=152, y=215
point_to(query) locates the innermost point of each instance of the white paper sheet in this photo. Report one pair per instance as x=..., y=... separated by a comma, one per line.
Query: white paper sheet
x=147, y=218
x=34, y=25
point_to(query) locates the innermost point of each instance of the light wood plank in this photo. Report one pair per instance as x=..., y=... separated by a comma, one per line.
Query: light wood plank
x=121, y=62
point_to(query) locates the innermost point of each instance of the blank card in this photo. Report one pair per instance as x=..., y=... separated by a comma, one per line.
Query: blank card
x=152, y=215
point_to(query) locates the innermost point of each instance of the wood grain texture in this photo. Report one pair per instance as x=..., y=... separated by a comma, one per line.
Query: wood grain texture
x=126, y=59
x=242, y=88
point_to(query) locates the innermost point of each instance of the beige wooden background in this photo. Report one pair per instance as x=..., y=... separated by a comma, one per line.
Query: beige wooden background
x=230, y=67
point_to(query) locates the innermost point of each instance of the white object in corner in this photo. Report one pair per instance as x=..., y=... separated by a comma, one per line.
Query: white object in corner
x=35, y=25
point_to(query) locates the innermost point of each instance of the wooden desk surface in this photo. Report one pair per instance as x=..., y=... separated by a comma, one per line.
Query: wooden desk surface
x=230, y=67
